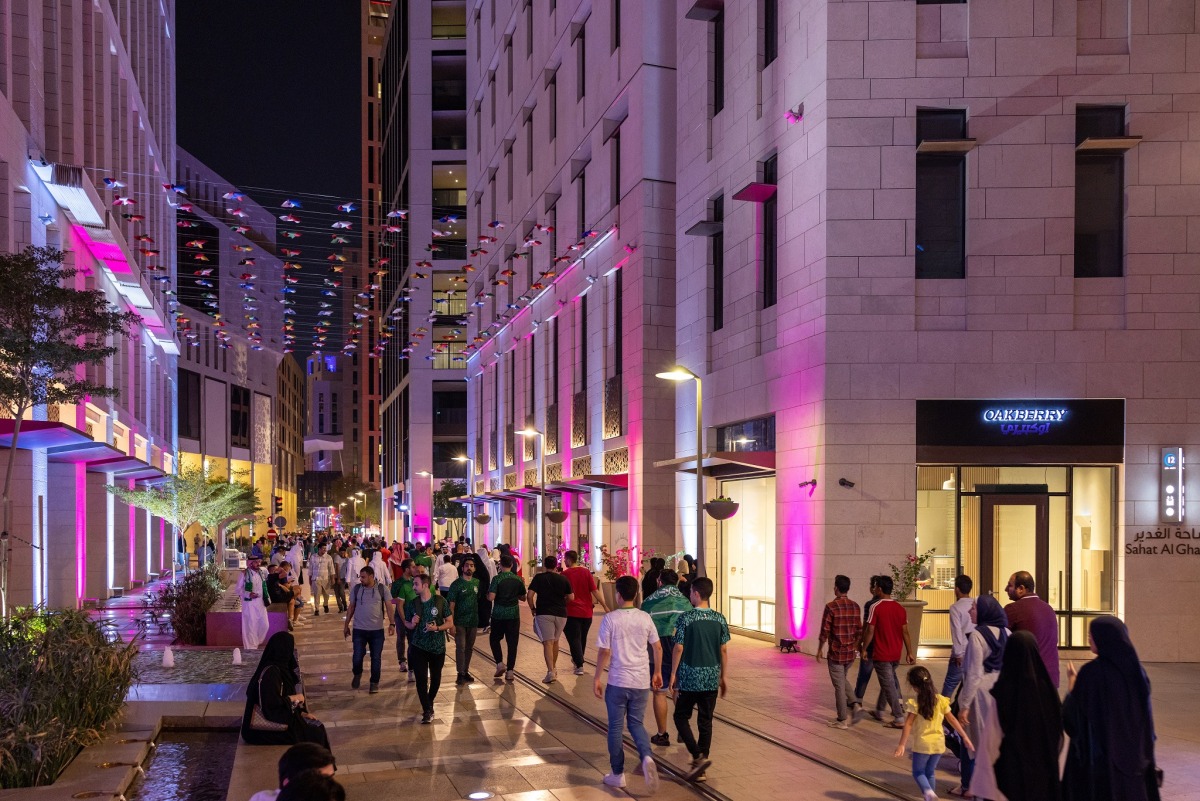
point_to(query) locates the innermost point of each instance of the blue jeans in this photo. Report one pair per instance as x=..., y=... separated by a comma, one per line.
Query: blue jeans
x=865, y=668
x=923, y=769
x=625, y=709
x=363, y=640
x=954, y=674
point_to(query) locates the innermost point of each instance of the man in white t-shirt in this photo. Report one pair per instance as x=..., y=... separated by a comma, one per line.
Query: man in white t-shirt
x=626, y=633
x=298, y=759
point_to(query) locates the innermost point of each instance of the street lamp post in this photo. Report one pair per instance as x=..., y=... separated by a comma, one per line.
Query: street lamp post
x=541, y=512
x=429, y=475
x=678, y=373
x=470, y=495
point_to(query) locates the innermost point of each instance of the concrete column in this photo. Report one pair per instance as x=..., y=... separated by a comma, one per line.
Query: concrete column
x=66, y=548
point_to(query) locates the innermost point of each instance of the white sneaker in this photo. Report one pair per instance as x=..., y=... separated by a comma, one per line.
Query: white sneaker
x=650, y=772
x=615, y=780
x=578, y=671
x=548, y=678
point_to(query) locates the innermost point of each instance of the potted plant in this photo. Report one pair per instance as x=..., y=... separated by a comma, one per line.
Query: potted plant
x=616, y=564
x=905, y=582
x=483, y=518
x=721, y=508
x=441, y=521
x=556, y=515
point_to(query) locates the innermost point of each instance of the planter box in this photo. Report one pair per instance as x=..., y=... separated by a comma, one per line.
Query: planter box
x=721, y=510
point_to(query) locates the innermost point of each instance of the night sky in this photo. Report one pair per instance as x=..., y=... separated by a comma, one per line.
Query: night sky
x=268, y=96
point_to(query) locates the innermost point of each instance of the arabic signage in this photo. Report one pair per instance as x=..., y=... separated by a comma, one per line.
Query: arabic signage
x=1055, y=422
x=1165, y=541
x=1171, y=498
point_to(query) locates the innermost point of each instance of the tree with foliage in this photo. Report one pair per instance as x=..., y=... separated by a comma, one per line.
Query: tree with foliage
x=190, y=497
x=50, y=332
x=445, y=506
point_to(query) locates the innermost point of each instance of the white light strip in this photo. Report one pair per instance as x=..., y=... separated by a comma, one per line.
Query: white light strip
x=553, y=284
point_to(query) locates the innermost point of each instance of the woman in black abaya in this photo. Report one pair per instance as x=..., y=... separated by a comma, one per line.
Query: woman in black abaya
x=281, y=717
x=1030, y=716
x=1108, y=717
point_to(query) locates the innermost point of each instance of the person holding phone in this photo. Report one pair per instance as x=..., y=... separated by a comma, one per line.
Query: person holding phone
x=427, y=618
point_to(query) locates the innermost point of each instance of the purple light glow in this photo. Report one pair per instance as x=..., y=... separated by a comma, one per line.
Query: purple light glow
x=132, y=540
x=520, y=523
x=566, y=524
x=107, y=253
x=80, y=530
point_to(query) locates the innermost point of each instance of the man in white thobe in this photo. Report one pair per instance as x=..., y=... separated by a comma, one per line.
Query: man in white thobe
x=321, y=578
x=254, y=612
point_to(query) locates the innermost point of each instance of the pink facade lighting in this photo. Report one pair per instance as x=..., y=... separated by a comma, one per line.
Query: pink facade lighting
x=680, y=374
x=541, y=511
x=426, y=474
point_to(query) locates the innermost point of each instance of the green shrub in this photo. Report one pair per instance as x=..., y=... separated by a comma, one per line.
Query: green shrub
x=61, y=682
x=189, y=600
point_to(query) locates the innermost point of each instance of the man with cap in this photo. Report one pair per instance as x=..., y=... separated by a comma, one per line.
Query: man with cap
x=254, y=607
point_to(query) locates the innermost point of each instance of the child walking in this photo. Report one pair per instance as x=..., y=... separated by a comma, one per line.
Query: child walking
x=924, y=725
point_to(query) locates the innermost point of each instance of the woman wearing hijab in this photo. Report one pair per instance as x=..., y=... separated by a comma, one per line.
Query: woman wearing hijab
x=1108, y=717
x=977, y=706
x=275, y=711
x=485, y=571
x=382, y=573
x=1030, y=717
x=353, y=566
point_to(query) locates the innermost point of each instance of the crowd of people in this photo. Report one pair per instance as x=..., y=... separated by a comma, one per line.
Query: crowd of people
x=1006, y=722
x=998, y=708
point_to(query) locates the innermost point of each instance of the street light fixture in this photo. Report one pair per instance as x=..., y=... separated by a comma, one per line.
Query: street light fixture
x=678, y=374
x=429, y=475
x=529, y=431
x=470, y=494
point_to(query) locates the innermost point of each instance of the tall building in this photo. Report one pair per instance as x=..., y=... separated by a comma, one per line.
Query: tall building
x=424, y=198
x=931, y=264
x=230, y=321
x=98, y=186
x=289, y=429
x=325, y=410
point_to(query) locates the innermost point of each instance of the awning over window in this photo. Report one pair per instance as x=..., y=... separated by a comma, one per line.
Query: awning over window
x=724, y=463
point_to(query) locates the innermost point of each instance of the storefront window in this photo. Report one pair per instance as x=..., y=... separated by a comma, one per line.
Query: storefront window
x=1093, y=565
x=937, y=529
x=746, y=581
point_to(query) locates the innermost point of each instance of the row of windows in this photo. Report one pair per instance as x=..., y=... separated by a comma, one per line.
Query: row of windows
x=941, y=192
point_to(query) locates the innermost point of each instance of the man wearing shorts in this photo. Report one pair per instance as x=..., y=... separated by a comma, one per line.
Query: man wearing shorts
x=548, y=596
x=664, y=607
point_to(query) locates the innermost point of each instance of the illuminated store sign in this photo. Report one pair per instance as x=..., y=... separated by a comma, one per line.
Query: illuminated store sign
x=1024, y=420
x=1170, y=485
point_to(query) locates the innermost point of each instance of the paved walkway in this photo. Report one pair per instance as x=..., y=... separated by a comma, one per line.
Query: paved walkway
x=512, y=741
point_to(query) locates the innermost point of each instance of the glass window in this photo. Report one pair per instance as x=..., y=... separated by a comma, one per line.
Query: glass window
x=975, y=478
x=937, y=529
x=1093, y=564
x=747, y=588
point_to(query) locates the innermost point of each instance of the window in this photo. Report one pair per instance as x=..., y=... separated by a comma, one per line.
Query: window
x=529, y=28
x=552, y=96
x=616, y=24
x=529, y=144
x=581, y=199
x=717, y=259
x=189, y=404
x=941, y=209
x=615, y=149
x=770, y=24
x=508, y=55
x=239, y=417
x=1099, y=195
x=716, y=64
x=770, y=238
x=581, y=62
x=508, y=166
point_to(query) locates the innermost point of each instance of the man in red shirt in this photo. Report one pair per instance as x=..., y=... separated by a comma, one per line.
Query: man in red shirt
x=1028, y=612
x=887, y=627
x=841, y=628
x=579, y=609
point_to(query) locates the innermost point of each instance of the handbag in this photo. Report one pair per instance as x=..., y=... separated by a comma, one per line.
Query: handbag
x=258, y=720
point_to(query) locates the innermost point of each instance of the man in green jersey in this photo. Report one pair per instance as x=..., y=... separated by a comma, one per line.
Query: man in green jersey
x=505, y=592
x=698, y=673
x=403, y=593
x=426, y=619
x=423, y=558
x=464, y=607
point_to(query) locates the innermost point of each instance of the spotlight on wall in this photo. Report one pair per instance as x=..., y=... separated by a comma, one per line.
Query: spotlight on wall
x=812, y=483
x=845, y=482
x=794, y=115
x=591, y=279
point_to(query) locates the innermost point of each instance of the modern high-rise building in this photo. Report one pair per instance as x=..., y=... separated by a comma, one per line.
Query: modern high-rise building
x=424, y=209
x=99, y=185
x=929, y=267
x=230, y=322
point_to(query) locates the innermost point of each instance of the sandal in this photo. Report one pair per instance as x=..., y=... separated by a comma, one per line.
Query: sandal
x=960, y=792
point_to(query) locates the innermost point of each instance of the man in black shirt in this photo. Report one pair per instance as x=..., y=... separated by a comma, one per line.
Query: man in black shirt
x=279, y=591
x=548, y=595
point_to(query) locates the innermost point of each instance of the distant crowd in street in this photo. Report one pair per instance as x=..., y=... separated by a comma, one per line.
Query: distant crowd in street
x=1006, y=722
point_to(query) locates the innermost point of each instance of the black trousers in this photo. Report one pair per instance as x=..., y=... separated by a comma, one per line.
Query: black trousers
x=577, y=633
x=705, y=703
x=403, y=639
x=429, y=674
x=510, y=632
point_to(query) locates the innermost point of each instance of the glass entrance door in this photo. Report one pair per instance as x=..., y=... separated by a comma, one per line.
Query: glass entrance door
x=1014, y=534
x=745, y=583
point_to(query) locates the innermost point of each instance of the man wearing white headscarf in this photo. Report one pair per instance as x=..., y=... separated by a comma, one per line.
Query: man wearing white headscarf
x=382, y=573
x=353, y=565
x=254, y=611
